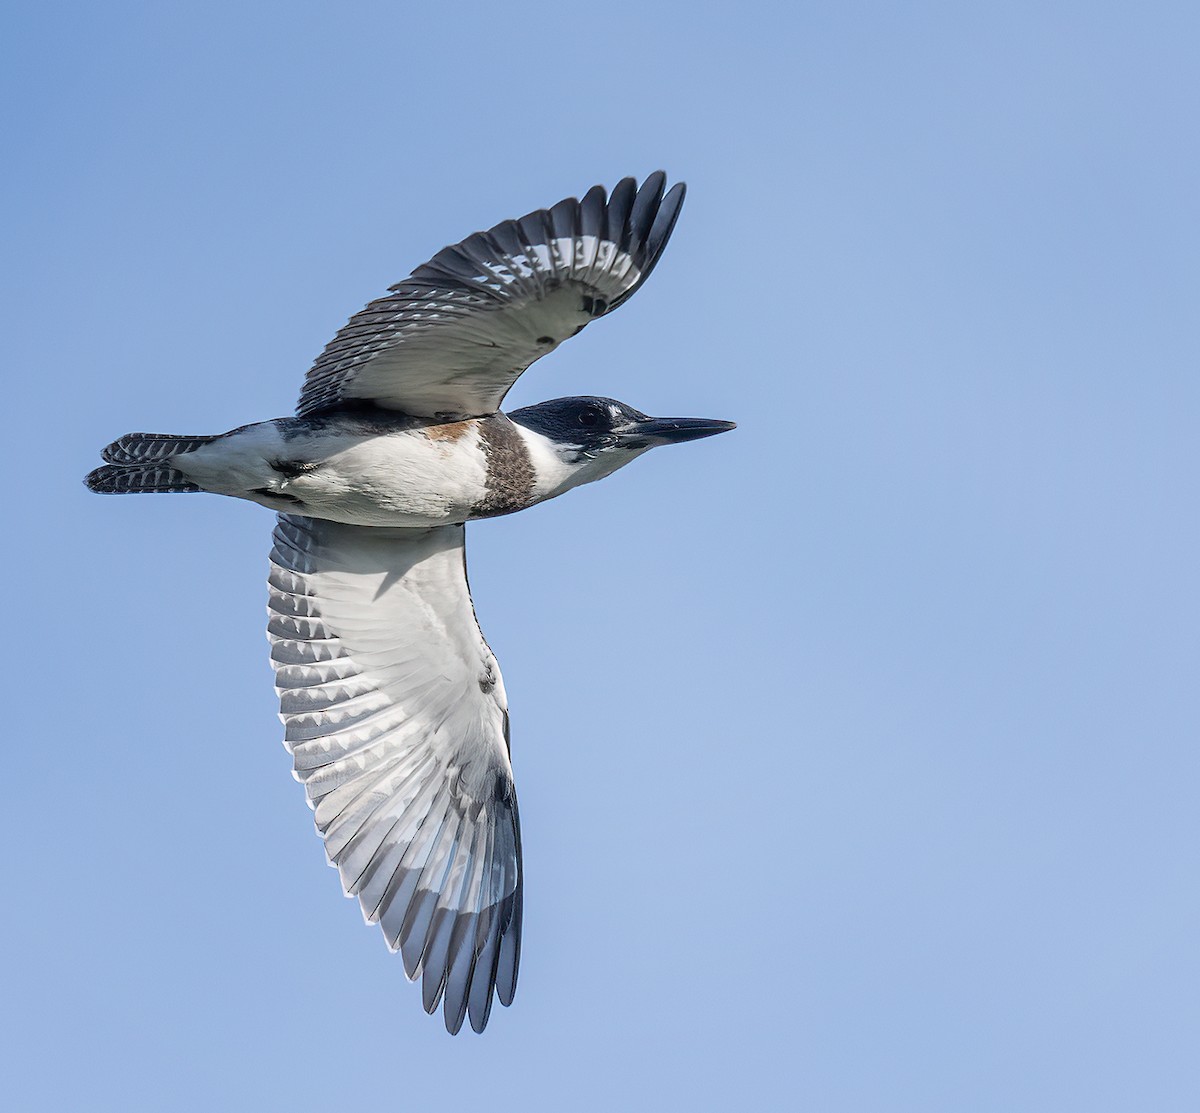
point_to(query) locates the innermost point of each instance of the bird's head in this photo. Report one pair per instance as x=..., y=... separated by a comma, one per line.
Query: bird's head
x=592, y=437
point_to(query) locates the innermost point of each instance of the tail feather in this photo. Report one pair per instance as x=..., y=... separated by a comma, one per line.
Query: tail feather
x=141, y=462
x=145, y=448
x=126, y=479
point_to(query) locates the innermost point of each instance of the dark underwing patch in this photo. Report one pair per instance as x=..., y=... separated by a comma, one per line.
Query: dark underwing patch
x=510, y=476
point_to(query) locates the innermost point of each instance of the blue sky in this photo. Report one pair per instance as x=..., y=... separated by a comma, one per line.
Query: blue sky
x=857, y=750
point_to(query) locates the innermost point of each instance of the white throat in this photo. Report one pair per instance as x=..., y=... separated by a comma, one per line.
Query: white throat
x=558, y=467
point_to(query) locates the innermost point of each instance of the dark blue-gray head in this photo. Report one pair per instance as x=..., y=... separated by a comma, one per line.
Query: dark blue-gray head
x=588, y=438
x=593, y=425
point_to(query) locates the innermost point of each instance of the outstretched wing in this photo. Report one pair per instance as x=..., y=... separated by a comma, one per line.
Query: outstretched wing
x=398, y=724
x=454, y=336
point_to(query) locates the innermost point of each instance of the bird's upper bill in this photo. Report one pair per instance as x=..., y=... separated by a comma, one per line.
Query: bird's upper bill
x=651, y=431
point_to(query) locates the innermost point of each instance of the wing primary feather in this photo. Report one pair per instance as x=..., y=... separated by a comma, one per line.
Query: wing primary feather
x=412, y=944
x=619, y=204
x=509, y=958
x=645, y=208
x=564, y=219
x=438, y=955
x=420, y=916
x=664, y=224
x=483, y=976
x=510, y=954
x=592, y=212
x=433, y=961
x=460, y=955
x=456, y=996
x=481, y=979
x=459, y=967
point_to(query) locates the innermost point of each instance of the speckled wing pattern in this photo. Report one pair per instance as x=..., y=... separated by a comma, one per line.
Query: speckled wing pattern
x=397, y=722
x=453, y=337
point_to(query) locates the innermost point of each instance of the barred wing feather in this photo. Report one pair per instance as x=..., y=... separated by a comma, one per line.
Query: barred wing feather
x=397, y=722
x=453, y=337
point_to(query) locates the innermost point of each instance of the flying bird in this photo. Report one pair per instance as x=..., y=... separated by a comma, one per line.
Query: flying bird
x=395, y=711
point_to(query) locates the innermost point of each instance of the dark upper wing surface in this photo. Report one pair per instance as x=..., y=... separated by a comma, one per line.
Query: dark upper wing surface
x=454, y=336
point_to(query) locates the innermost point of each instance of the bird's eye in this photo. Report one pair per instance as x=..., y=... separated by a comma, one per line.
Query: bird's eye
x=590, y=416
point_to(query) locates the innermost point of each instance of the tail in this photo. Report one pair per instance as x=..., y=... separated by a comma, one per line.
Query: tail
x=141, y=462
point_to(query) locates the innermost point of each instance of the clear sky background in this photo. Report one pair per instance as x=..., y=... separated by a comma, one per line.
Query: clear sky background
x=857, y=749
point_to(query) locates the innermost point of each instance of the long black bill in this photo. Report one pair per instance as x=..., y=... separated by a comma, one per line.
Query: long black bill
x=672, y=430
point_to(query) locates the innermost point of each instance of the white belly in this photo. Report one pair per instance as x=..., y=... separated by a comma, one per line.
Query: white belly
x=347, y=471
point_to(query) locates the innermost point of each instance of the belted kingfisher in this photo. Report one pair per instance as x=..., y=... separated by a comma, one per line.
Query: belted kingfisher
x=395, y=712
